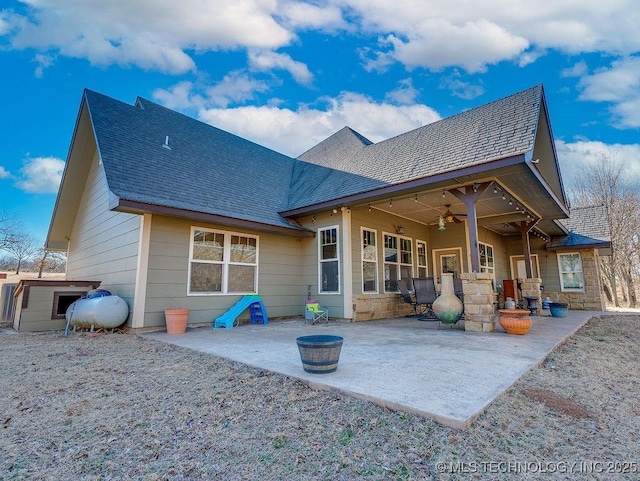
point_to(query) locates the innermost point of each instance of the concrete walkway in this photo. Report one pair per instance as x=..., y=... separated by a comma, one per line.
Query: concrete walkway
x=446, y=374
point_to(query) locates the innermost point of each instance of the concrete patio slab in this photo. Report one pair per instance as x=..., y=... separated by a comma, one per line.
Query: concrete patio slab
x=446, y=374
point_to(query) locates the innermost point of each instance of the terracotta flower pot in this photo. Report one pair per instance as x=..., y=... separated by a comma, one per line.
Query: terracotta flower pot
x=515, y=321
x=176, y=320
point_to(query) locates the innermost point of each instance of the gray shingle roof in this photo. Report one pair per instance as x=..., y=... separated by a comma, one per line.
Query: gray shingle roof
x=591, y=221
x=207, y=169
x=587, y=226
x=500, y=129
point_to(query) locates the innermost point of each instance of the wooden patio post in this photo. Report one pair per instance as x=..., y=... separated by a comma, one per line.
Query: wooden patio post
x=469, y=197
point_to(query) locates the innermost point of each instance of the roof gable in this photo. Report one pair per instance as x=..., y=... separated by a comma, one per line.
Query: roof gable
x=201, y=169
x=503, y=128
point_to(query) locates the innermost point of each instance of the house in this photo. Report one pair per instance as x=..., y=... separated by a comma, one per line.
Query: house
x=165, y=210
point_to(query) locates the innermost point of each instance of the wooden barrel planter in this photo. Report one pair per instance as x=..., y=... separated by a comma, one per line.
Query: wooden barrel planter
x=320, y=353
x=515, y=321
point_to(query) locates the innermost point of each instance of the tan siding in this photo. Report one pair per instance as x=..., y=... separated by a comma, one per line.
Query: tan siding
x=103, y=244
x=279, y=275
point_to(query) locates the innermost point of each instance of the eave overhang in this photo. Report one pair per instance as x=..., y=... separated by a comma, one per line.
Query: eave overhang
x=135, y=207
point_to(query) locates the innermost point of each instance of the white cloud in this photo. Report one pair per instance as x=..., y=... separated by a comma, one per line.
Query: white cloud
x=4, y=174
x=475, y=34
x=41, y=175
x=575, y=157
x=620, y=85
x=578, y=70
x=235, y=87
x=459, y=88
x=307, y=16
x=43, y=61
x=266, y=61
x=166, y=36
x=438, y=43
x=405, y=94
x=293, y=132
x=146, y=33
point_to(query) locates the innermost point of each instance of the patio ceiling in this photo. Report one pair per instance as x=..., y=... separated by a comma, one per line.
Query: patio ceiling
x=496, y=209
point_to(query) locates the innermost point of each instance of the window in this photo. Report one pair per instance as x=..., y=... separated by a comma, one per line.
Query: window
x=421, y=254
x=329, y=269
x=398, y=261
x=570, y=266
x=222, y=262
x=369, y=261
x=486, y=258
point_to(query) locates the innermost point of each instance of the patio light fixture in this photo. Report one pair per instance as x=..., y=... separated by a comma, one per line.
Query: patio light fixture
x=441, y=223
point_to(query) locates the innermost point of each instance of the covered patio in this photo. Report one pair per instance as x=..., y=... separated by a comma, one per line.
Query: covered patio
x=443, y=373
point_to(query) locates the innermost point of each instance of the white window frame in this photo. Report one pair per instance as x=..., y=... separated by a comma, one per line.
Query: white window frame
x=397, y=265
x=560, y=271
x=426, y=257
x=225, y=263
x=332, y=259
x=374, y=261
x=486, y=268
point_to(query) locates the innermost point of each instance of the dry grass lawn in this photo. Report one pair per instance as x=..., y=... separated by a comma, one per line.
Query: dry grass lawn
x=118, y=406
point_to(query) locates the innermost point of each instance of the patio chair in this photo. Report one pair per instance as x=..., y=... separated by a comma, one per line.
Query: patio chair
x=315, y=313
x=457, y=289
x=425, y=289
x=408, y=298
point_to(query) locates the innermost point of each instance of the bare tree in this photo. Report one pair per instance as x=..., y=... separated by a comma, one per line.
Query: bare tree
x=50, y=261
x=9, y=227
x=606, y=182
x=22, y=246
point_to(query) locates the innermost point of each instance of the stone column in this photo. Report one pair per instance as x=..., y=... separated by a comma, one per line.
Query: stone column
x=479, y=313
x=531, y=288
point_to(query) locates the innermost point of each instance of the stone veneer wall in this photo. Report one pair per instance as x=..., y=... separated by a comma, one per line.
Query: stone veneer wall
x=531, y=288
x=479, y=315
x=379, y=306
x=592, y=298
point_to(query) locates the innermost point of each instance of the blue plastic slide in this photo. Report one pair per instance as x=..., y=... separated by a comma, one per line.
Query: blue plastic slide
x=252, y=301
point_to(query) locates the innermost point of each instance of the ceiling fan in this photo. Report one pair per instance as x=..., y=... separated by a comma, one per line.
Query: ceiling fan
x=448, y=217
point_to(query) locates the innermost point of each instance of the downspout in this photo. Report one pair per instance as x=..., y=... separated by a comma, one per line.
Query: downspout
x=347, y=263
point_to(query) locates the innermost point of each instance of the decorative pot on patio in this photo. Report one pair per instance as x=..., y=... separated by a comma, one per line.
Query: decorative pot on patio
x=176, y=319
x=447, y=307
x=558, y=309
x=320, y=353
x=515, y=321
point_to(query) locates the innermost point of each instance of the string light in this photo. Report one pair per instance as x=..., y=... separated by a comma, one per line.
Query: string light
x=369, y=207
x=391, y=203
x=504, y=197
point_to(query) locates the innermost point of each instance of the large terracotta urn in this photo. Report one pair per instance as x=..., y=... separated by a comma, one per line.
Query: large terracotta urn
x=447, y=307
x=515, y=321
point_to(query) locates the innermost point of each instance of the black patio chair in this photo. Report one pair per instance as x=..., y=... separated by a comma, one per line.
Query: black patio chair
x=425, y=289
x=457, y=289
x=408, y=298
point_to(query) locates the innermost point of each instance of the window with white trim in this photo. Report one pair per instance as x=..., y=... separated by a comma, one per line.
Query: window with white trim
x=369, y=261
x=486, y=258
x=329, y=260
x=398, y=261
x=421, y=258
x=222, y=262
x=571, y=274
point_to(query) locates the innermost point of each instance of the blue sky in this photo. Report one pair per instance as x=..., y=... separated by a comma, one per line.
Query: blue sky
x=287, y=73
